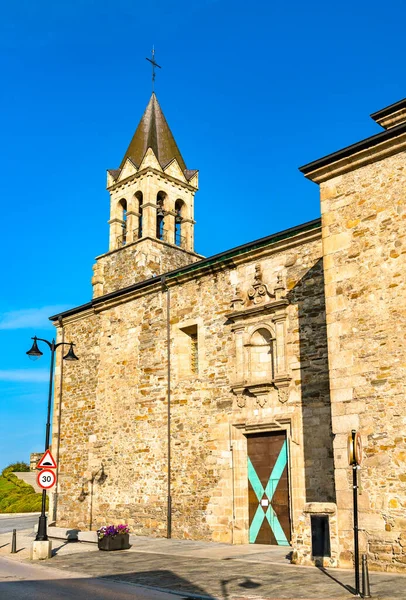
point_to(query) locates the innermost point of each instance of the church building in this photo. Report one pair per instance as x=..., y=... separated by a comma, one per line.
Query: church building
x=213, y=397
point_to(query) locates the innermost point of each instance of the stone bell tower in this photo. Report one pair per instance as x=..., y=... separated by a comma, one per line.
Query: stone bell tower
x=151, y=208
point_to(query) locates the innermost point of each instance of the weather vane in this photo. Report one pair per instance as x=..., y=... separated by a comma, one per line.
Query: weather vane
x=154, y=64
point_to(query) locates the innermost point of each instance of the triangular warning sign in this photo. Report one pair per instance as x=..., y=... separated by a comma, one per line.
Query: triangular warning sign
x=47, y=461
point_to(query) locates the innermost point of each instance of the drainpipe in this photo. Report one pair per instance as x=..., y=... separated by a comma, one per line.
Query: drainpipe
x=232, y=479
x=165, y=288
x=55, y=503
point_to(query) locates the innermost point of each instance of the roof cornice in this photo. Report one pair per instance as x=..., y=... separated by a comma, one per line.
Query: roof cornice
x=357, y=155
x=390, y=115
x=288, y=238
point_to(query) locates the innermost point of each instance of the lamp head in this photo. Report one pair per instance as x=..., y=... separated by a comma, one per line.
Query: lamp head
x=34, y=352
x=70, y=355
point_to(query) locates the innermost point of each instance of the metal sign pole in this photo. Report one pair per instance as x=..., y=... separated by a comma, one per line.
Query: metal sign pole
x=356, y=544
x=354, y=448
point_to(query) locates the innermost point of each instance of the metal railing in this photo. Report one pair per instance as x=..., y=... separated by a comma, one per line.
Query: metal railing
x=122, y=240
x=180, y=240
x=167, y=236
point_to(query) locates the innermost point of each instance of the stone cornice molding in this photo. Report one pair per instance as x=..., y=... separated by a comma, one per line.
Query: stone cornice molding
x=359, y=155
x=75, y=317
x=194, y=254
x=284, y=421
x=115, y=220
x=256, y=389
x=151, y=171
x=268, y=308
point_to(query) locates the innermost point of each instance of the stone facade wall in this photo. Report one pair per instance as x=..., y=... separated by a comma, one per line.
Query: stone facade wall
x=364, y=244
x=113, y=446
x=74, y=416
x=137, y=262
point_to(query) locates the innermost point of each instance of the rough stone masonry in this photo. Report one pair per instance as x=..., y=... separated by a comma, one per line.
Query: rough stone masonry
x=299, y=336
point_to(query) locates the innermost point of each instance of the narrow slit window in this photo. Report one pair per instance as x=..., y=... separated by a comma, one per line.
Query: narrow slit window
x=122, y=239
x=179, y=209
x=194, y=353
x=188, y=351
x=138, y=231
x=160, y=215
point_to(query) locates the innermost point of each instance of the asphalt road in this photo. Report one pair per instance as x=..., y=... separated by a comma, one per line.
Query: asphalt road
x=21, y=581
x=10, y=522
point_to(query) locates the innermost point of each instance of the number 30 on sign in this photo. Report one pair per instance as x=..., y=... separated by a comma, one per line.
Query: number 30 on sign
x=46, y=479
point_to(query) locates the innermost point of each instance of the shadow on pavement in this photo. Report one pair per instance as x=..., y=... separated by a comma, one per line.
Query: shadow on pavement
x=349, y=588
x=247, y=584
x=55, y=549
x=163, y=579
x=99, y=587
x=207, y=578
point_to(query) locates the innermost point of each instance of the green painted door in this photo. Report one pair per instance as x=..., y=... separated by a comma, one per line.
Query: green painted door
x=268, y=489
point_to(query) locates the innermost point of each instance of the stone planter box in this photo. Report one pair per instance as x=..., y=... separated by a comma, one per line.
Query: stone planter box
x=118, y=542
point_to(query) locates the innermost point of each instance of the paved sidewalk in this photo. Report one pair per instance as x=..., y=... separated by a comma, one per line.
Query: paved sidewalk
x=28, y=581
x=210, y=570
x=9, y=515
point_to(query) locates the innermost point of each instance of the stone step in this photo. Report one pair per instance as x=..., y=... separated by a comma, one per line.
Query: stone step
x=87, y=536
x=63, y=533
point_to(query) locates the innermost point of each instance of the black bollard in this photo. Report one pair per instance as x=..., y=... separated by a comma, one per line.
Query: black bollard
x=365, y=578
x=14, y=542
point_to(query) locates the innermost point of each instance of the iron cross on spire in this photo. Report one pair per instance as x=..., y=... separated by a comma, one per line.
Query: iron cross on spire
x=154, y=64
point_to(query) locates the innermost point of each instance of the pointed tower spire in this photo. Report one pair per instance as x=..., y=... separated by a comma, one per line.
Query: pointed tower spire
x=153, y=132
x=152, y=199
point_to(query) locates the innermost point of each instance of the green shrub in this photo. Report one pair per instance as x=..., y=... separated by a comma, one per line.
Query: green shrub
x=5, y=487
x=26, y=487
x=9, y=501
x=17, y=496
x=8, y=474
x=31, y=504
x=19, y=467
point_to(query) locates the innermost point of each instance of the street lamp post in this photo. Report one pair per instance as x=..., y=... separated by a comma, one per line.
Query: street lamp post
x=35, y=353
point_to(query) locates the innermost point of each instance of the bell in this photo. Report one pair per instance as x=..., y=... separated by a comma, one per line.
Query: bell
x=160, y=212
x=178, y=219
x=34, y=353
x=70, y=354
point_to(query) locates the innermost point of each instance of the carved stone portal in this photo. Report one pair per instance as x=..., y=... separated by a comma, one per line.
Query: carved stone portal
x=259, y=323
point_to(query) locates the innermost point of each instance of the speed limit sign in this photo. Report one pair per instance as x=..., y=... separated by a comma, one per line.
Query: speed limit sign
x=46, y=479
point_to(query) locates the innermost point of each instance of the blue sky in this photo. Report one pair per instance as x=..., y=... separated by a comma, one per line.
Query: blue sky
x=251, y=91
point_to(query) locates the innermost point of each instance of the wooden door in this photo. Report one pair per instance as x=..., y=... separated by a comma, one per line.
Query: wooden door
x=268, y=489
